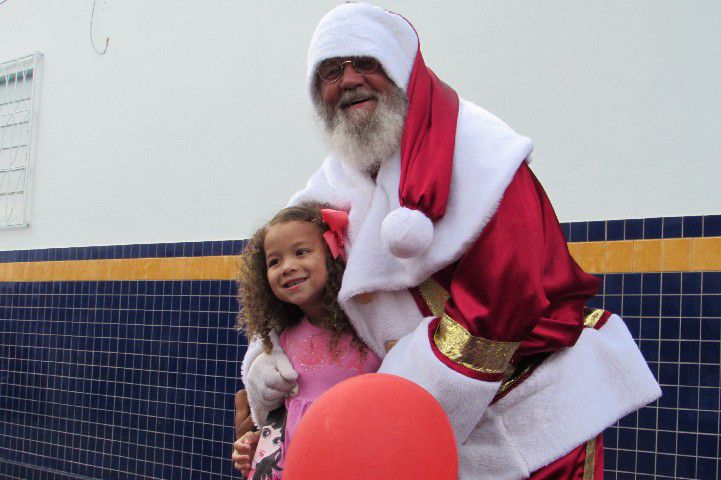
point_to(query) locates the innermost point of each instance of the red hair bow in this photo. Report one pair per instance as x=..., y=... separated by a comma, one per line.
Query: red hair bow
x=337, y=221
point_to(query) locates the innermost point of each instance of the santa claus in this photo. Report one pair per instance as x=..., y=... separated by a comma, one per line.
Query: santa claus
x=457, y=274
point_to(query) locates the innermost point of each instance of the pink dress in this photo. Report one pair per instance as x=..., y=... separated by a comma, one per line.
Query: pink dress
x=318, y=368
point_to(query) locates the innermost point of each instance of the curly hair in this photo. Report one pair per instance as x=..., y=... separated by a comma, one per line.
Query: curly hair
x=261, y=311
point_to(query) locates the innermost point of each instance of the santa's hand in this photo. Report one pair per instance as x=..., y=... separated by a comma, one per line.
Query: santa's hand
x=270, y=379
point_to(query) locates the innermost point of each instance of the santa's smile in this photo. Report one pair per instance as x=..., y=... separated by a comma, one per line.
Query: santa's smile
x=294, y=284
x=363, y=103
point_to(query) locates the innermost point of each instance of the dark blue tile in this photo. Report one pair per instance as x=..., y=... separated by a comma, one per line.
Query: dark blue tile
x=227, y=246
x=651, y=306
x=669, y=398
x=671, y=283
x=670, y=305
x=238, y=246
x=668, y=374
x=627, y=438
x=710, y=351
x=652, y=228
x=647, y=440
x=631, y=306
x=689, y=348
x=670, y=328
x=708, y=422
x=651, y=283
x=711, y=329
x=712, y=226
x=579, y=231
x=708, y=468
x=596, y=231
x=667, y=441
x=692, y=226
x=711, y=306
x=686, y=444
x=646, y=418
x=615, y=230
x=672, y=227
x=612, y=303
x=710, y=376
x=689, y=374
x=686, y=467
x=631, y=283
x=712, y=282
x=691, y=306
x=688, y=420
x=634, y=229
x=691, y=282
x=613, y=283
x=627, y=460
x=707, y=446
x=688, y=399
x=669, y=351
x=650, y=328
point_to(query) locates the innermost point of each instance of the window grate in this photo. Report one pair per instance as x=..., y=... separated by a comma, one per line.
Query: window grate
x=17, y=89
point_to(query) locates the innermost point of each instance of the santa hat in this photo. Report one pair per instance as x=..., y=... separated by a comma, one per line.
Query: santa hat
x=428, y=140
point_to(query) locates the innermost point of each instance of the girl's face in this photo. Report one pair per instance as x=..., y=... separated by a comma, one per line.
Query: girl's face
x=295, y=256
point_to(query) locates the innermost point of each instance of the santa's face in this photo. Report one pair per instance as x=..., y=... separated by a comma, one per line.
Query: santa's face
x=363, y=116
x=355, y=95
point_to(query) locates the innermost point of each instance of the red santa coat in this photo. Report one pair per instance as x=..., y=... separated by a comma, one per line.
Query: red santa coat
x=514, y=291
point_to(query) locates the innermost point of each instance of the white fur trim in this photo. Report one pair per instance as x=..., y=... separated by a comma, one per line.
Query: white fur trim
x=406, y=233
x=487, y=155
x=572, y=397
x=412, y=358
x=359, y=29
x=381, y=317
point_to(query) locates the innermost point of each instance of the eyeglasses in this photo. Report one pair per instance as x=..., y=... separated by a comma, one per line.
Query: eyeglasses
x=331, y=70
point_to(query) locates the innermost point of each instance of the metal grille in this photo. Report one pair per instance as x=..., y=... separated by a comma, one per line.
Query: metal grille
x=17, y=85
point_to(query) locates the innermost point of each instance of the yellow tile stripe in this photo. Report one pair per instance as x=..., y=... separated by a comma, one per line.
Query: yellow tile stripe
x=173, y=268
x=668, y=255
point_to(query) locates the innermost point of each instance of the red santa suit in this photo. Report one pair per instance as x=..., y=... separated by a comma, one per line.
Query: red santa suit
x=485, y=303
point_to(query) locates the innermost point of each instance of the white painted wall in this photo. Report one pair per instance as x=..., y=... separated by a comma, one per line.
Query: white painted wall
x=195, y=125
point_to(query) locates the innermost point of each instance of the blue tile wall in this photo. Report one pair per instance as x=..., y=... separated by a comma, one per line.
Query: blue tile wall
x=678, y=436
x=118, y=380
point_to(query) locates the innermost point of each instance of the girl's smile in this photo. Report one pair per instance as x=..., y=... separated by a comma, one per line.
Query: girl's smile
x=295, y=255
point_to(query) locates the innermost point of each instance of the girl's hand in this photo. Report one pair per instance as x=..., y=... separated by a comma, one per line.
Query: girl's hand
x=243, y=451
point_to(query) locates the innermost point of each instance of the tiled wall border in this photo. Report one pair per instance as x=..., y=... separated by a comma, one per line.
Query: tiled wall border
x=108, y=252
x=623, y=256
x=594, y=231
x=669, y=244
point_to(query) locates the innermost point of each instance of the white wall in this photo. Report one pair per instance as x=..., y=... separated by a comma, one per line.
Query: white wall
x=196, y=126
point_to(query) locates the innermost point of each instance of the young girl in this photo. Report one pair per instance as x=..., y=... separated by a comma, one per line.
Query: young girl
x=290, y=275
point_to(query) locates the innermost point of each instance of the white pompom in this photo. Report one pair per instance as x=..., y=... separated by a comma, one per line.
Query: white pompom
x=406, y=233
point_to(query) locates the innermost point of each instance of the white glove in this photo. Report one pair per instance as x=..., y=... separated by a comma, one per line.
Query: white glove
x=270, y=379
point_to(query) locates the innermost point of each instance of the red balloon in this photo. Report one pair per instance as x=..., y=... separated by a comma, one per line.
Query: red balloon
x=374, y=426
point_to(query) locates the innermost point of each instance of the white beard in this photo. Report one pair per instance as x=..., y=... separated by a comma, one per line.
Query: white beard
x=363, y=140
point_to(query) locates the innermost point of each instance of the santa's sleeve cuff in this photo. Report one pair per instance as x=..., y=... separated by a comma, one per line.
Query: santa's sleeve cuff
x=463, y=398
